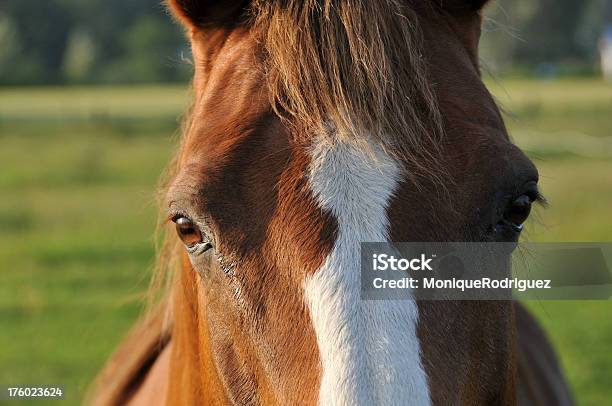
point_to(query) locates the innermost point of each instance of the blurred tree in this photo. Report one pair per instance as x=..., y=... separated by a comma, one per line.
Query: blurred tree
x=40, y=31
x=552, y=32
x=9, y=45
x=80, y=56
x=102, y=41
x=543, y=36
x=96, y=41
x=148, y=46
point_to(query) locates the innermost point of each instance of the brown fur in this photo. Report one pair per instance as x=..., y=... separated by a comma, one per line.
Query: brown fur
x=269, y=74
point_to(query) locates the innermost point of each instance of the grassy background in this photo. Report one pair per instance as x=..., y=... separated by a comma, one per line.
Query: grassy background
x=566, y=127
x=78, y=170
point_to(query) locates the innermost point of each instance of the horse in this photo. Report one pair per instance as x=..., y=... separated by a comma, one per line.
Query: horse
x=317, y=125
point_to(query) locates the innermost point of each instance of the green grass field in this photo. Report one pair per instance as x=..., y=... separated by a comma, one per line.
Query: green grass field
x=78, y=175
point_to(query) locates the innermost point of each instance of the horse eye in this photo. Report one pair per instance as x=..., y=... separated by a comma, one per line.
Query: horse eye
x=518, y=210
x=187, y=231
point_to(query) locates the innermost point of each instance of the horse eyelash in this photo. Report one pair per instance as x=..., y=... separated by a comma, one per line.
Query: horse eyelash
x=540, y=199
x=173, y=215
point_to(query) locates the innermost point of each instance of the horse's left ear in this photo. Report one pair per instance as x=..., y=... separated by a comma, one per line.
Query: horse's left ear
x=461, y=5
x=196, y=14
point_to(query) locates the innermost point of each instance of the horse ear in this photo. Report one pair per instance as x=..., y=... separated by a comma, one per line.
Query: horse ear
x=201, y=13
x=461, y=5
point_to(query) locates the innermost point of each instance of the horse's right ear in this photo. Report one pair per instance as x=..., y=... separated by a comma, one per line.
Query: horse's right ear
x=196, y=14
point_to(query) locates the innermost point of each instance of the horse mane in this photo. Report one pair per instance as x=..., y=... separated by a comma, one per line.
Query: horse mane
x=127, y=368
x=348, y=71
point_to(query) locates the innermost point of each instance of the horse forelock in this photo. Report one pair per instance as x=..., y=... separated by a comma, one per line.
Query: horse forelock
x=350, y=69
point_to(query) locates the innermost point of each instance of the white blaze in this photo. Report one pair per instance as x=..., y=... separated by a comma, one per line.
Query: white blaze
x=369, y=350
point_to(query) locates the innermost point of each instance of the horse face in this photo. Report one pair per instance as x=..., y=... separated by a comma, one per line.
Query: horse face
x=272, y=223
